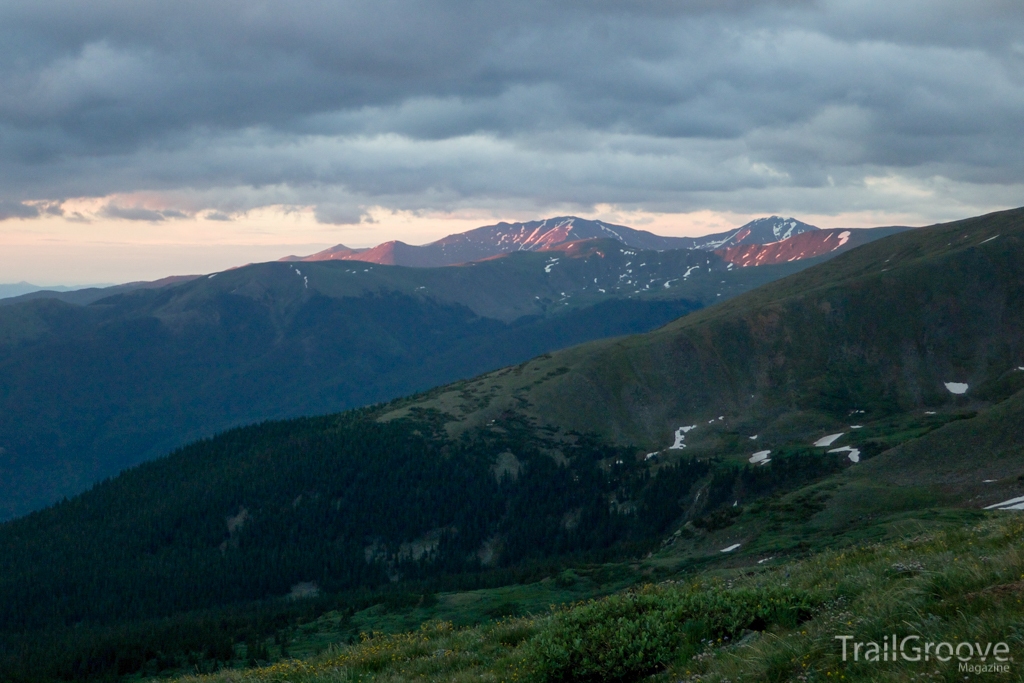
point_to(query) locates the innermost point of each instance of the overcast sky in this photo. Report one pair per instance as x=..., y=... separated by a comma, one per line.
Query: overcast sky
x=140, y=138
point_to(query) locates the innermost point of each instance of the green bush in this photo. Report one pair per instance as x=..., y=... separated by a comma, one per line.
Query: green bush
x=626, y=636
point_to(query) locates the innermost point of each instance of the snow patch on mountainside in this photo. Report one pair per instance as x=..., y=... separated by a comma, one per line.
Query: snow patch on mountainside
x=854, y=454
x=680, y=437
x=759, y=456
x=828, y=440
x=956, y=387
x=1012, y=504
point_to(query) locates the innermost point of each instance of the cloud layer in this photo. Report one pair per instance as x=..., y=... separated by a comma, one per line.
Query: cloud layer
x=222, y=106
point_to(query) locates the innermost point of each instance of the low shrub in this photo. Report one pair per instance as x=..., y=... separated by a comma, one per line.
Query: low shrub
x=626, y=636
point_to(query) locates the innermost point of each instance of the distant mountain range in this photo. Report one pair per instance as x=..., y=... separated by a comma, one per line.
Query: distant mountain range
x=84, y=295
x=877, y=393
x=20, y=288
x=98, y=379
x=93, y=381
x=505, y=238
x=763, y=241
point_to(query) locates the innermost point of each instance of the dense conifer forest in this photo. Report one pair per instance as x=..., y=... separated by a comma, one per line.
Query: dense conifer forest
x=180, y=560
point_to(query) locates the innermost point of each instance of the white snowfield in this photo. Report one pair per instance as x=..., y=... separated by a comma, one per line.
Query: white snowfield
x=759, y=456
x=730, y=548
x=956, y=387
x=854, y=454
x=680, y=437
x=1012, y=504
x=827, y=440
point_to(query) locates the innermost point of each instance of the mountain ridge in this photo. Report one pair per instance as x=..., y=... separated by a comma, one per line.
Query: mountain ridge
x=85, y=385
x=504, y=238
x=636, y=389
x=18, y=289
x=803, y=245
x=84, y=296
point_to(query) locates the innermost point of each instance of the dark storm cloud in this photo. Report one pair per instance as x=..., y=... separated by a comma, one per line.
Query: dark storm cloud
x=16, y=210
x=665, y=105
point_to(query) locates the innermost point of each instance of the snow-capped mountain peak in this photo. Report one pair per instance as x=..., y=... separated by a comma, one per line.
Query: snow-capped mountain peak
x=504, y=238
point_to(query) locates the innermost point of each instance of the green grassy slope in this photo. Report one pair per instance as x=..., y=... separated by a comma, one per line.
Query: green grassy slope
x=955, y=585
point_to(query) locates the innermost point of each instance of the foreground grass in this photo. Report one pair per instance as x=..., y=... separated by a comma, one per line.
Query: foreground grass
x=778, y=624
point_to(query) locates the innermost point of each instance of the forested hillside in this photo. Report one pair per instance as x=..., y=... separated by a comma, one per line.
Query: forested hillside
x=336, y=507
x=88, y=390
